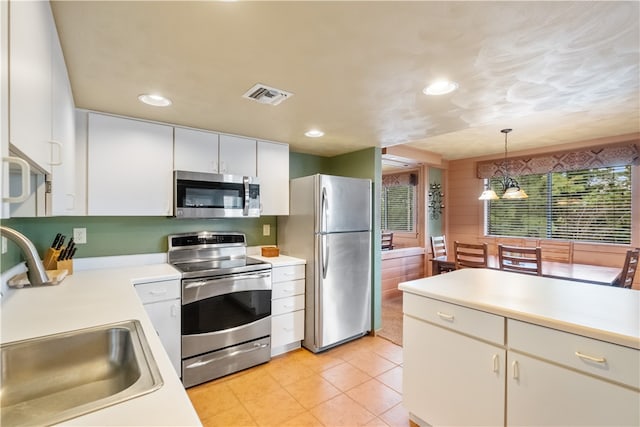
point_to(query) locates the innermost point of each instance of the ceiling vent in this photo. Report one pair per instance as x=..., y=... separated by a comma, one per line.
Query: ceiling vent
x=266, y=95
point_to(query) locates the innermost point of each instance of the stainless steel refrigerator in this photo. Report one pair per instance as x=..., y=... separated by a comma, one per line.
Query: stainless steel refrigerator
x=329, y=225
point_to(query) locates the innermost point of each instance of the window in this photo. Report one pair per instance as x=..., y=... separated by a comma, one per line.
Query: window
x=592, y=205
x=398, y=210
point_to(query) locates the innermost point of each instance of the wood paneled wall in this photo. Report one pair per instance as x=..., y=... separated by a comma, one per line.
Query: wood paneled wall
x=465, y=213
x=400, y=265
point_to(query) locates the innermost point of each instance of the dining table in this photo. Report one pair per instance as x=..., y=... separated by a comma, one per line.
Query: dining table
x=587, y=273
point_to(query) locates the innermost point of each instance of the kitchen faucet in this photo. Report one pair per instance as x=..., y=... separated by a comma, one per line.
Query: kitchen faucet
x=36, y=272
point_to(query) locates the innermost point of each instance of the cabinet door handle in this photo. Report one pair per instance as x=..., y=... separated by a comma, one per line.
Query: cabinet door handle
x=445, y=316
x=174, y=310
x=59, y=162
x=516, y=370
x=496, y=363
x=591, y=358
x=25, y=174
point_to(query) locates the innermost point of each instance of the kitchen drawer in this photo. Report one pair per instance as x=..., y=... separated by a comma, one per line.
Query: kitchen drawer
x=287, y=328
x=472, y=322
x=287, y=289
x=158, y=291
x=288, y=272
x=285, y=305
x=603, y=359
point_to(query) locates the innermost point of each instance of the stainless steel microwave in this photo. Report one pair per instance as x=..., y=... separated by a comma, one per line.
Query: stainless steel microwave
x=212, y=195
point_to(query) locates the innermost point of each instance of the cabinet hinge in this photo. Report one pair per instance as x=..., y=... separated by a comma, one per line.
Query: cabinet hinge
x=47, y=187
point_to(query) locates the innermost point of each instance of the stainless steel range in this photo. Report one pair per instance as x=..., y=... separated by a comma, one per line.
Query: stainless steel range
x=226, y=305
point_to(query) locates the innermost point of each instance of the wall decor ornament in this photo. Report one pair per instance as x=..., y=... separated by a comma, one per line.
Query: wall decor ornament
x=436, y=200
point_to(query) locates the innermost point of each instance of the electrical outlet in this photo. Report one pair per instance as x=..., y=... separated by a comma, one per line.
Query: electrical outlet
x=80, y=235
x=4, y=245
x=266, y=229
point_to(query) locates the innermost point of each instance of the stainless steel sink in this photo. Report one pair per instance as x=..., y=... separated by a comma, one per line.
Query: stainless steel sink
x=54, y=378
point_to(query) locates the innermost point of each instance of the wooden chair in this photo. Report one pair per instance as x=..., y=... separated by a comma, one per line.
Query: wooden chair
x=520, y=259
x=439, y=249
x=470, y=255
x=387, y=240
x=625, y=279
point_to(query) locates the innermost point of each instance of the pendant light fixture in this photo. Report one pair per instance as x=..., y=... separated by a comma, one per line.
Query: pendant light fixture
x=510, y=186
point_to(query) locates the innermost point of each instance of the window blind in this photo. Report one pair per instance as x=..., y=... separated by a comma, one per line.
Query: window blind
x=398, y=208
x=591, y=205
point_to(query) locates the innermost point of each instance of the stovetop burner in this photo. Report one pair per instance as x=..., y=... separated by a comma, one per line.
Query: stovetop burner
x=198, y=269
x=208, y=254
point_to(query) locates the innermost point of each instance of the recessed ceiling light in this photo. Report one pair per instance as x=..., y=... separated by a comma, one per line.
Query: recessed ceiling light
x=155, y=100
x=314, y=133
x=441, y=87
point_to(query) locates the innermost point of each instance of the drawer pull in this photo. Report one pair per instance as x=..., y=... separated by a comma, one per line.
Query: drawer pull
x=591, y=358
x=288, y=290
x=288, y=306
x=496, y=363
x=445, y=316
x=516, y=370
x=158, y=292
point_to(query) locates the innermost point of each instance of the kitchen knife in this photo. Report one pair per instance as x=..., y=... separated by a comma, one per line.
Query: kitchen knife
x=73, y=252
x=67, y=251
x=55, y=241
x=60, y=242
x=61, y=254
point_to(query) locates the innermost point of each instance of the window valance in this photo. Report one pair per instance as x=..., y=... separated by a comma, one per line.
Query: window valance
x=397, y=179
x=593, y=157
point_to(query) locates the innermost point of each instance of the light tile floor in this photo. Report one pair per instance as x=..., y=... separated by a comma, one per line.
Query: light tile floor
x=355, y=384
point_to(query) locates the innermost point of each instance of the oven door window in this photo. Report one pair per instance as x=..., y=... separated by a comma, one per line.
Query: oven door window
x=225, y=311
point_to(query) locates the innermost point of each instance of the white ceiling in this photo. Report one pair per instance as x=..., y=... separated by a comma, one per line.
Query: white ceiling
x=555, y=72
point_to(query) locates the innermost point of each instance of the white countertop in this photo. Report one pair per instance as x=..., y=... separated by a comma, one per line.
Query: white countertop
x=96, y=297
x=602, y=312
x=279, y=261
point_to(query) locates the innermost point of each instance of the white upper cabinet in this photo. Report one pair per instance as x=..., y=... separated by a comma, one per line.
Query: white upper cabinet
x=41, y=110
x=31, y=32
x=237, y=156
x=273, y=172
x=195, y=150
x=129, y=167
x=63, y=191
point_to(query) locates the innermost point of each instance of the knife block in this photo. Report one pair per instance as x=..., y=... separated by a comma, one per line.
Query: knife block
x=67, y=264
x=50, y=261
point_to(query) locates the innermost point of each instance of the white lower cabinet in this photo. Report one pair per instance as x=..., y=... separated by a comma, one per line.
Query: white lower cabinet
x=161, y=301
x=558, y=378
x=468, y=367
x=544, y=394
x=450, y=378
x=287, y=308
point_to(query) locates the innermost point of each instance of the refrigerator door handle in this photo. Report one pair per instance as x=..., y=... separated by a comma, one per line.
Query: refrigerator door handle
x=325, y=256
x=324, y=205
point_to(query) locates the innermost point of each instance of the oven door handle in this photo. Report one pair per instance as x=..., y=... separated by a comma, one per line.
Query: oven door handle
x=256, y=346
x=201, y=283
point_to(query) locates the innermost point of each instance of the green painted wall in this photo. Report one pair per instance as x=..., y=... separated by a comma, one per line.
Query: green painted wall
x=138, y=235
x=301, y=164
x=127, y=235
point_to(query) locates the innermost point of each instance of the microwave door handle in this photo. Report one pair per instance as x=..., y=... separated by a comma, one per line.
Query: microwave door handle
x=245, y=181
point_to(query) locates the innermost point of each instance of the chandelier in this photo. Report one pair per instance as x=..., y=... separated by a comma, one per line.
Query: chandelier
x=510, y=187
